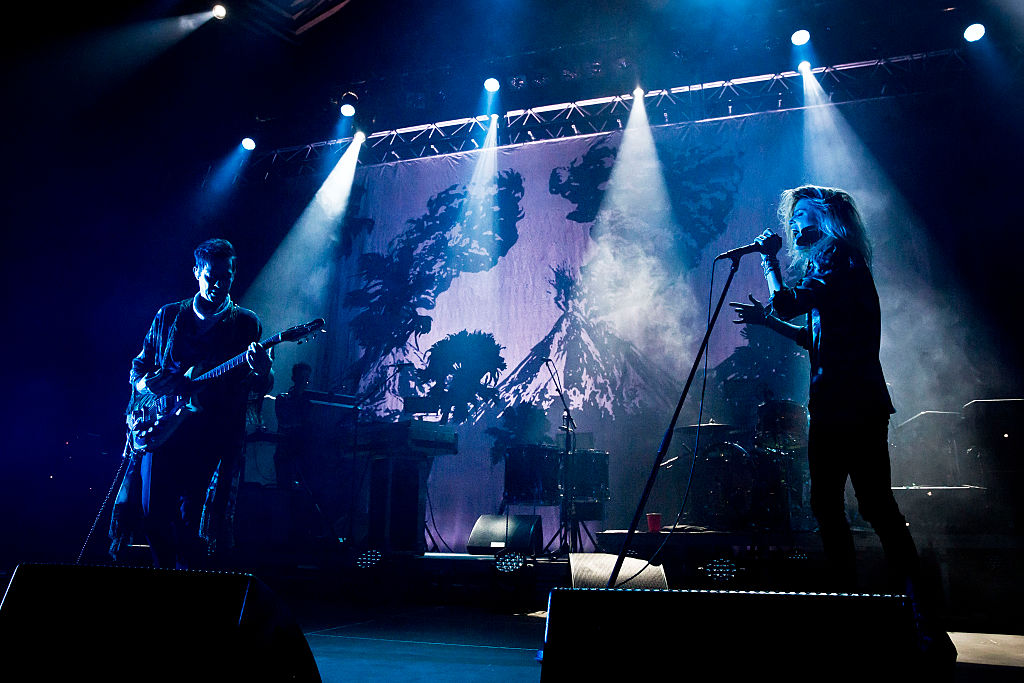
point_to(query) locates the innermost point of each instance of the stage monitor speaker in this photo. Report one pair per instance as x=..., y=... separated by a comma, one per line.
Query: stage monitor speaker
x=68, y=622
x=493, y=533
x=623, y=634
x=592, y=570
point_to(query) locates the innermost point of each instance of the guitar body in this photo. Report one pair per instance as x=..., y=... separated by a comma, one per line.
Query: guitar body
x=152, y=419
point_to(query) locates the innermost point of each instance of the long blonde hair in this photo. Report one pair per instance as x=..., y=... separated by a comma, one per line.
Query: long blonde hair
x=838, y=219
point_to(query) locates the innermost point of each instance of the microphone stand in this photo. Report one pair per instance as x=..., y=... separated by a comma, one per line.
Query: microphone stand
x=667, y=439
x=568, y=425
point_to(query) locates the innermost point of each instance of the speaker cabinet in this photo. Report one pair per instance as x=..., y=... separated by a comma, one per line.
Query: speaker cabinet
x=619, y=634
x=398, y=503
x=493, y=533
x=61, y=622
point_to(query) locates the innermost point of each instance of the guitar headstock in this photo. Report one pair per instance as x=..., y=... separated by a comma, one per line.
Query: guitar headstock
x=303, y=333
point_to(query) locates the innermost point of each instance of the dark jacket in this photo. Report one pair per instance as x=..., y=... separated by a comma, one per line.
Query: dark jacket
x=173, y=345
x=842, y=333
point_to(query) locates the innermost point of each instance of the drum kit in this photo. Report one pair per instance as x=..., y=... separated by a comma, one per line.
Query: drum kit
x=733, y=488
x=538, y=474
x=574, y=480
x=765, y=488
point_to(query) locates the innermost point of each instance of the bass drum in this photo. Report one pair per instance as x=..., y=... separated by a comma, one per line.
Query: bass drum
x=586, y=476
x=724, y=494
x=532, y=475
x=781, y=427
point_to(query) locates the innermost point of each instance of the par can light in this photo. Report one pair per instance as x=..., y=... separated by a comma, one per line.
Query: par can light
x=974, y=32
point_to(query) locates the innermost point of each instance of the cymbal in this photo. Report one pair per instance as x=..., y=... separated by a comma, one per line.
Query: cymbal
x=713, y=426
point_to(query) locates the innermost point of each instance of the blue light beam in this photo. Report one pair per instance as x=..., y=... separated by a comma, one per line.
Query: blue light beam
x=293, y=287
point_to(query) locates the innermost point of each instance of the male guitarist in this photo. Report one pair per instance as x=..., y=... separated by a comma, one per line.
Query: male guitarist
x=198, y=333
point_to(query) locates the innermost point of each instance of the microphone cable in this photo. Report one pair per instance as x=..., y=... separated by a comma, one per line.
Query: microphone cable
x=696, y=448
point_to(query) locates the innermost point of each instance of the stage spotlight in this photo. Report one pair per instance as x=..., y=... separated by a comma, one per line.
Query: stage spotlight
x=369, y=558
x=491, y=85
x=359, y=137
x=974, y=32
x=249, y=144
x=509, y=561
x=638, y=92
x=348, y=110
x=219, y=12
x=720, y=570
x=801, y=37
x=804, y=67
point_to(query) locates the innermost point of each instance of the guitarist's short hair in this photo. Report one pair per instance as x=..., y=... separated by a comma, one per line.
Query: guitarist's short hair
x=213, y=249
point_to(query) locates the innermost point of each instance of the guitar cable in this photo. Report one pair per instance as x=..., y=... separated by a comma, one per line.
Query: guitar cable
x=126, y=456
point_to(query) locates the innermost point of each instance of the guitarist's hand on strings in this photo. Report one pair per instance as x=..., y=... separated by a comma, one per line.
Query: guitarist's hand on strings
x=258, y=359
x=162, y=383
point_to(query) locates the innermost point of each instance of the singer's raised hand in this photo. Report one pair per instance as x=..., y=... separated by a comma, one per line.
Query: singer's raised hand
x=750, y=314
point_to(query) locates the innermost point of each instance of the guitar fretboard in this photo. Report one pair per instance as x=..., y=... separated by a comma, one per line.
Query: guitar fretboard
x=229, y=365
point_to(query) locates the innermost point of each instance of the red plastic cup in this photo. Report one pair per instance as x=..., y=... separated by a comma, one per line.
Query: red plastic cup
x=654, y=521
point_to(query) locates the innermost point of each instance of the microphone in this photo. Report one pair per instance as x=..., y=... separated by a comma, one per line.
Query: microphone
x=770, y=245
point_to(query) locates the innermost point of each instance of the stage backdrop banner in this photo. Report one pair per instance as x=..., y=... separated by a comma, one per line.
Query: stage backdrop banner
x=475, y=284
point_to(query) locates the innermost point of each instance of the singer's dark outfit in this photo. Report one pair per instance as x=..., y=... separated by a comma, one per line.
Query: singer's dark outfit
x=176, y=476
x=849, y=410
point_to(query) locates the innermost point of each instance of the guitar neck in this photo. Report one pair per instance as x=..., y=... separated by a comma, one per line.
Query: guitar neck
x=229, y=365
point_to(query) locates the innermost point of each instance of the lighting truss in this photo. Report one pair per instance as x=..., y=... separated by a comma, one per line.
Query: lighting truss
x=857, y=81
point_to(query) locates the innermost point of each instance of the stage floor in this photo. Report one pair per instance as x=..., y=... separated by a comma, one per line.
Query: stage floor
x=453, y=617
x=422, y=642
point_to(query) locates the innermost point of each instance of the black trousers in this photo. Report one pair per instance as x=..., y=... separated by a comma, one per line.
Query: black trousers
x=175, y=482
x=857, y=450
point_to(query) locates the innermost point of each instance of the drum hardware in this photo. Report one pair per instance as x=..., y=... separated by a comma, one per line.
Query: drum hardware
x=781, y=427
x=764, y=488
x=544, y=475
x=533, y=475
x=724, y=489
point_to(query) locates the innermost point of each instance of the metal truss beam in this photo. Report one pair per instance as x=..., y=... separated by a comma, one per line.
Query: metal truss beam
x=904, y=75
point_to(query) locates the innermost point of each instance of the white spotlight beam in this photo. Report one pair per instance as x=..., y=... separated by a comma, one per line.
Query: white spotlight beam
x=293, y=286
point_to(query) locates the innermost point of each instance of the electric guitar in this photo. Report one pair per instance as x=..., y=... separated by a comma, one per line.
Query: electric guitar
x=152, y=419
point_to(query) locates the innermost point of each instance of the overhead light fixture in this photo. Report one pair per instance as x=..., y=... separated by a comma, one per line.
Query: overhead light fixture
x=346, y=103
x=491, y=85
x=219, y=11
x=974, y=32
x=801, y=37
x=249, y=144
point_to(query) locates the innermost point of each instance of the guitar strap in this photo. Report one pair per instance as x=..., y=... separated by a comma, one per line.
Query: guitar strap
x=172, y=332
